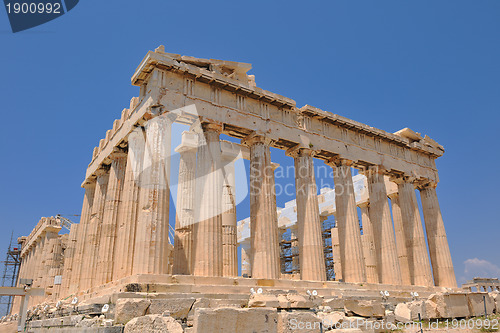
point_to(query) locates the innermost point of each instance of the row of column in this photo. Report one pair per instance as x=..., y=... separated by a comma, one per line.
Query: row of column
x=125, y=218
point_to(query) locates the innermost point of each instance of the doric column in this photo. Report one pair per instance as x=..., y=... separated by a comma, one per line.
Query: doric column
x=337, y=262
x=346, y=217
x=418, y=258
x=92, y=239
x=128, y=210
x=81, y=238
x=294, y=238
x=246, y=268
x=442, y=265
x=229, y=232
x=208, y=210
x=368, y=245
x=183, y=243
x=401, y=242
x=151, y=250
x=311, y=256
x=106, y=252
x=69, y=259
x=383, y=231
x=264, y=235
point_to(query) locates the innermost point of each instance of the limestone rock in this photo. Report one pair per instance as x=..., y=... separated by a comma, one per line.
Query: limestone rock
x=299, y=301
x=152, y=324
x=206, y=303
x=365, y=308
x=177, y=308
x=262, y=300
x=449, y=305
x=298, y=321
x=406, y=312
x=332, y=319
x=334, y=303
x=231, y=320
x=476, y=303
x=128, y=308
x=495, y=296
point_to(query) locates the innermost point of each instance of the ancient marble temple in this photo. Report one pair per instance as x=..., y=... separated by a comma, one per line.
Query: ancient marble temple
x=126, y=216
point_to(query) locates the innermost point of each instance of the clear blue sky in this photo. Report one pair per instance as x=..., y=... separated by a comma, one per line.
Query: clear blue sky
x=432, y=66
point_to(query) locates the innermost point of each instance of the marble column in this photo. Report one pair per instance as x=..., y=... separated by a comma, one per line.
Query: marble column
x=151, y=250
x=311, y=256
x=263, y=215
x=92, y=238
x=246, y=254
x=106, y=253
x=81, y=238
x=383, y=231
x=69, y=259
x=401, y=241
x=183, y=243
x=337, y=263
x=418, y=258
x=346, y=217
x=368, y=245
x=129, y=207
x=442, y=265
x=294, y=238
x=208, y=255
x=229, y=222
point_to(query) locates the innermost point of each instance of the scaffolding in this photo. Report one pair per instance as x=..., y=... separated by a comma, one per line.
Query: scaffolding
x=10, y=274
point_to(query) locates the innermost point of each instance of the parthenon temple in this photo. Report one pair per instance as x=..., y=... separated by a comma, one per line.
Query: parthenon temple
x=133, y=230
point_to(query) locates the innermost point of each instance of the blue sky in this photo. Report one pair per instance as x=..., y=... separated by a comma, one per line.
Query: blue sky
x=432, y=66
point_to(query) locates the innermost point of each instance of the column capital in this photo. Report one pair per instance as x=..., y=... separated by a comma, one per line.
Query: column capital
x=338, y=161
x=423, y=184
x=400, y=179
x=364, y=204
x=103, y=170
x=374, y=169
x=256, y=137
x=211, y=127
x=118, y=153
x=393, y=195
x=189, y=142
x=299, y=151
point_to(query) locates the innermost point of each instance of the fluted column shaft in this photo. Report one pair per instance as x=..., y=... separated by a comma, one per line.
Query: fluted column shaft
x=151, y=250
x=383, y=231
x=246, y=254
x=94, y=230
x=69, y=259
x=264, y=235
x=311, y=256
x=337, y=262
x=346, y=217
x=110, y=219
x=368, y=245
x=401, y=241
x=418, y=258
x=81, y=239
x=442, y=265
x=183, y=243
x=208, y=212
x=229, y=223
x=129, y=206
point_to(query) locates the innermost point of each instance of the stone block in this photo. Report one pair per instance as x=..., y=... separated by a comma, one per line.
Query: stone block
x=206, y=303
x=128, y=308
x=335, y=303
x=406, y=312
x=176, y=308
x=299, y=301
x=476, y=303
x=448, y=305
x=298, y=321
x=495, y=296
x=152, y=324
x=332, y=319
x=362, y=308
x=231, y=320
x=262, y=300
